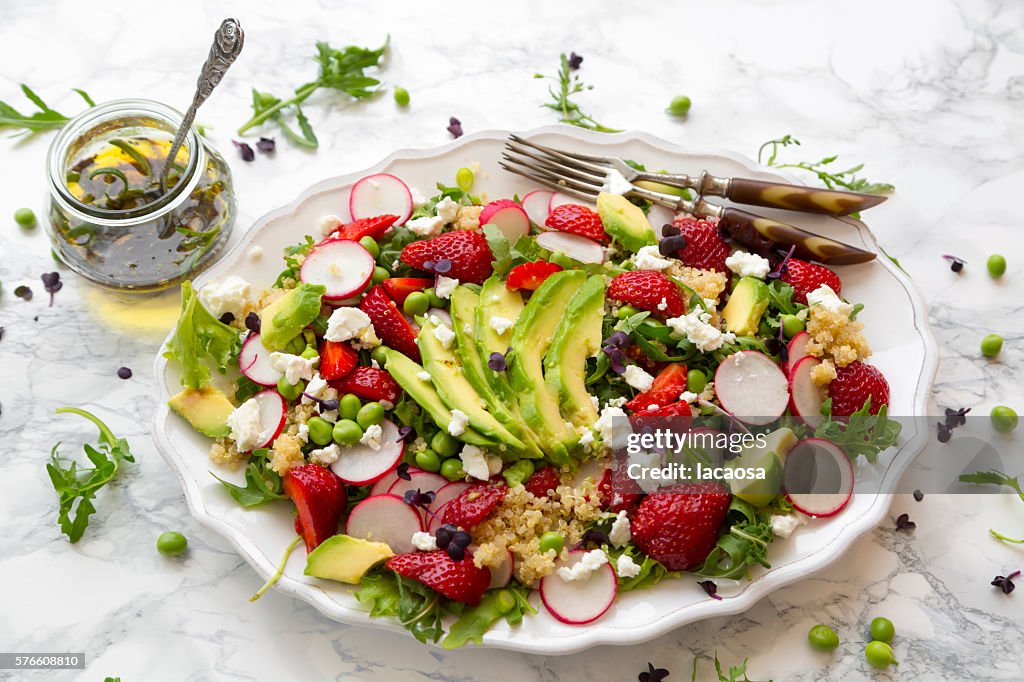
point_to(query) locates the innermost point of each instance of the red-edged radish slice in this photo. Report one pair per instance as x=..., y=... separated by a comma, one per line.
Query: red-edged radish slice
x=805, y=396
x=380, y=194
x=578, y=602
x=501, y=575
x=445, y=495
x=387, y=519
x=385, y=482
x=254, y=362
x=362, y=465
x=273, y=413
x=560, y=198
x=796, y=350
x=579, y=248
x=752, y=387
x=536, y=205
x=659, y=216
x=343, y=266
x=421, y=480
x=819, y=478
x=507, y=216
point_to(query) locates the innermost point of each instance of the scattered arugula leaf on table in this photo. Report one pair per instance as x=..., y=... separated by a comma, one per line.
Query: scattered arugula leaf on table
x=569, y=84
x=994, y=477
x=39, y=121
x=846, y=179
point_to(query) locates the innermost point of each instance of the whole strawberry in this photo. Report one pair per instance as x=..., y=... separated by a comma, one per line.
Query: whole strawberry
x=678, y=525
x=705, y=249
x=474, y=504
x=853, y=385
x=805, y=277
x=389, y=323
x=648, y=290
x=458, y=580
x=466, y=251
x=577, y=219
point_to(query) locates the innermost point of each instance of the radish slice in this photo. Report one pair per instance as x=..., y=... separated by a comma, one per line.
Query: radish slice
x=752, y=387
x=561, y=198
x=797, y=350
x=273, y=413
x=254, y=362
x=387, y=519
x=385, y=482
x=380, y=194
x=442, y=315
x=343, y=266
x=536, y=205
x=421, y=480
x=578, y=602
x=819, y=477
x=659, y=216
x=507, y=216
x=593, y=469
x=445, y=495
x=361, y=465
x=805, y=396
x=579, y=248
x=501, y=575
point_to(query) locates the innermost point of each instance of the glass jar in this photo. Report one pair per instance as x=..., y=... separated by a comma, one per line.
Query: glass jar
x=111, y=220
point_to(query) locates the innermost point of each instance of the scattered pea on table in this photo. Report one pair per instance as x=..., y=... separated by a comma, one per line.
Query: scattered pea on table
x=401, y=96
x=882, y=629
x=25, y=217
x=879, y=654
x=991, y=345
x=171, y=543
x=679, y=106
x=996, y=265
x=823, y=638
x=1004, y=419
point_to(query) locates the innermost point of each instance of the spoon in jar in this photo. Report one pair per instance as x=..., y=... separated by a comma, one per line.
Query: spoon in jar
x=227, y=44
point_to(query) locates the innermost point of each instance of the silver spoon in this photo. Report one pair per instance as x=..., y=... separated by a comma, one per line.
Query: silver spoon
x=227, y=44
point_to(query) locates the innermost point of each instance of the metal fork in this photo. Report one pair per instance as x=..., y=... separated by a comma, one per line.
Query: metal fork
x=585, y=176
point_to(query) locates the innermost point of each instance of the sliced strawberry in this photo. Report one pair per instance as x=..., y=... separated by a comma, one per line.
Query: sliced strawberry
x=648, y=290
x=399, y=288
x=374, y=227
x=619, y=490
x=668, y=384
x=544, y=479
x=854, y=385
x=319, y=497
x=474, y=504
x=461, y=580
x=466, y=250
x=805, y=277
x=336, y=359
x=705, y=249
x=577, y=219
x=369, y=383
x=389, y=323
x=530, y=276
x=678, y=525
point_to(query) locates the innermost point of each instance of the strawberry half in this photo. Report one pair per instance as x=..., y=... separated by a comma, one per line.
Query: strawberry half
x=530, y=276
x=544, y=479
x=577, y=219
x=374, y=227
x=466, y=250
x=705, y=249
x=618, y=490
x=336, y=359
x=852, y=387
x=319, y=498
x=399, y=288
x=805, y=277
x=461, y=581
x=678, y=525
x=369, y=383
x=668, y=384
x=389, y=323
x=648, y=290
x=474, y=504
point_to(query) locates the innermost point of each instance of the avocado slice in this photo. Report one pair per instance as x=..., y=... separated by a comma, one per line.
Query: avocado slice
x=531, y=340
x=772, y=458
x=496, y=300
x=285, y=318
x=345, y=558
x=405, y=372
x=577, y=338
x=206, y=409
x=625, y=221
x=455, y=389
x=747, y=303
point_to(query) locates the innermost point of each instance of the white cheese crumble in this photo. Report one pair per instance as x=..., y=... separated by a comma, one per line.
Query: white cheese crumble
x=783, y=525
x=474, y=462
x=581, y=570
x=328, y=224
x=827, y=298
x=447, y=210
x=351, y=324
x=417, y=197
x=445, y=286
x=423, y=376
x=255, y=253
x=638, y=378
x=586, y=437
x=295, y=368
x=373, y=437
x=748, y=264
x=245, y=425
x=649, y=258
x=620, y=533
x=424, y=542
x=303, y=433
x=457, y=426
x=616, y=402
x=230, y=295
x=688, y=397
x=325, y=456
x=625, y=567
x=318, y=389
x=612, y=426
x=443, y=333
x=616, y=183
x=426, y=226
x=500, y=324
x=696, y=328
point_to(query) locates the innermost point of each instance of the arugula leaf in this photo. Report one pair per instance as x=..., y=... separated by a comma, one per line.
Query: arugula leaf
x=993, y=477
x=745, y=543
x=71, y=487
x=304, y=137
x=569, y=84
x=861, y=433
x=262, y=484
x=417, y=607
x=291, y=253
x=246, y=388
x=42, y=120
x=847, y=179
x=500, y=248
x=200, y=335
x=477, y=620
x=651, y=572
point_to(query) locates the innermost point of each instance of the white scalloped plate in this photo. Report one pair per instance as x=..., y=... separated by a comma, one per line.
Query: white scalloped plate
x=896, y=323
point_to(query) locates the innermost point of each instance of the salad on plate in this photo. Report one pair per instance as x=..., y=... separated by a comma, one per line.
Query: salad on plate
x=451, y=391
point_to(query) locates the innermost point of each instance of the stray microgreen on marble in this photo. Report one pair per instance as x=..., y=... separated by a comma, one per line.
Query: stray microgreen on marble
x=39, y=121
x=568, y=84
x=831, y=178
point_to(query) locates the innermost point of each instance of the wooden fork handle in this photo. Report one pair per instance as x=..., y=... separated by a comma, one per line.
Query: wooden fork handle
x=756, y=232
x=799, y=198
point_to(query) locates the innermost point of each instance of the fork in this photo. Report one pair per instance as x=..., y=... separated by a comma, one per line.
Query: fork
x=585, y=176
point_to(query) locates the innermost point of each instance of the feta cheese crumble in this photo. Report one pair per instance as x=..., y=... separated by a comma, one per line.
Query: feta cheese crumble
x=295, y=368
x=417, y=197
x=328, y=224
x=325, y=456
x=616, y=183
x=373, y=437
x=612, y=426
x=783, y=525
x=318, y=389
x=649, y=258
x=827, y=299
x=443, y=333
x=581, y=570
x=625, y=567
x=696, y=327
x=474, y=462
x=500, y=324
x=255, y=253
x=620, y=533
x=638, y=378
x=246, y=428
x=426, y=226
x=748, y=264
x=445, y=286
x=447, y=210
x=230, y=295
x=423, y=376
x=351, y=324
x=457, y=426
x=424, y=542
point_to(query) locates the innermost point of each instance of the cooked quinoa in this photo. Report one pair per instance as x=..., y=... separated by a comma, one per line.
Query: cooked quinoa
x=468, y=218
x=224, y=452
x=835, y=337
x=707, y=283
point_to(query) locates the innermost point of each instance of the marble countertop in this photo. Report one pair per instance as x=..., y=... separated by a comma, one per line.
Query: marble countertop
x=928, y=95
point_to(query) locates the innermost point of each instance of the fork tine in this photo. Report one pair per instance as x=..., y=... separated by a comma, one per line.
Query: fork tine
x=565, y=158
x=547, y=181
x=557, y=167
x=579, y=182
x=578, y=156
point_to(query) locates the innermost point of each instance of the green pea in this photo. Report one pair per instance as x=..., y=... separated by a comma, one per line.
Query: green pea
x=370, y=414
x=696, y=381
x=321, y=431
x=379, y=354
x=25, y=217
x=518, y=472
x=290, y=391
x=347, y=432
x=380, y=274
x=679, y=106
x=1004, y=419
x=823, y=638
x=625, y=312
x=996, y=265
x=452, y=469
x=370, y=244
x=309, y=353
x=791, y=325
x=504, y=602
x=171, y=543
x=416, y=303
x=464, y=179
x=435, y=302
x=879, y=654
x=991, y=345
x=348, y=406
x=882, y=629
x=427, y=460
x=444, y=444
x=401, y=96
x=551, y=540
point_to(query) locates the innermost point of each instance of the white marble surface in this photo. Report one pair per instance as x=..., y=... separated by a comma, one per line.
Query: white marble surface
x=928, y=94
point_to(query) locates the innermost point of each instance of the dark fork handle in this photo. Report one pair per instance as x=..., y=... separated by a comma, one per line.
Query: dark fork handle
x=798, y=198
x=758, y=232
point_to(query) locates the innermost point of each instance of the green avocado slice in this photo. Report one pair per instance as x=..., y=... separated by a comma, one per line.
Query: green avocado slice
x=496, y=301
x=577, y=338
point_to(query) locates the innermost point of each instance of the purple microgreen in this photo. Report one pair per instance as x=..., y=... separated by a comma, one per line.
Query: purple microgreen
x=775, y=347
x=592, y=537
x=461, y=539
x=454, y=127
x=124, y=373
x=670, y=245
x=442, y=265
x=918, y=495
x=575, y=61
x=669, y=230
x=1005, y=582
x=955, y=418
x=443, y=535
x=252, y=323
x=23, y=292
x=652, y=674
x=944, y=432
x=227, y=318
x=52, y=284
x=428, y=266
x=403, y=471
x=955, y=264
x=1, y=333
x=456, y=553
x=324, y=405
x=783, y=265
x=244, y=150
x=417, y=498
x=406, y=434
x=497, y=362
x=619, y=339
x=903, y=522
x=711, y=587
x=617, y=358
x=266, y=145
